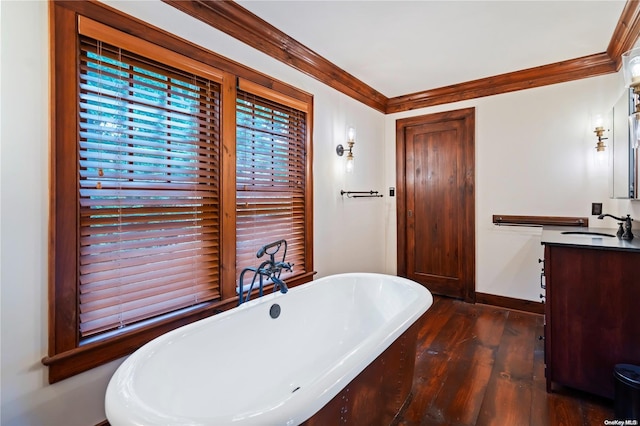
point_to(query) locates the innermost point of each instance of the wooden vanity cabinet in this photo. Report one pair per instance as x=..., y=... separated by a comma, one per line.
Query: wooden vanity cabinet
x=592, y=315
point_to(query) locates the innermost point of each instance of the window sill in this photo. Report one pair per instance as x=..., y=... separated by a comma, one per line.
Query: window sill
x=99, y=351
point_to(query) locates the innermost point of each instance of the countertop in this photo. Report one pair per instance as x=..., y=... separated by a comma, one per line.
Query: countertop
x=556, y=235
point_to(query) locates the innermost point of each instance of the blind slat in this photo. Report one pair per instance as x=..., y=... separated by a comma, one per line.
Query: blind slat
x=94, y=291
x=106, y=280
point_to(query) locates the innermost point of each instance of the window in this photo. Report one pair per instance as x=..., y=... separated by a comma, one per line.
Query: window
x=270, y=179
x=145, y=175
x=148, y=170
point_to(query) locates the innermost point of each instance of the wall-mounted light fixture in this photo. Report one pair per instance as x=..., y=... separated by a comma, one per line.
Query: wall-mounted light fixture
x=631, y=73
x=599, y=126
x=340, y=150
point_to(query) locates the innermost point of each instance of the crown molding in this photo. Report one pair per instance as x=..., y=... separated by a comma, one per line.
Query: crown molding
x=559, y=72
x=236, y=21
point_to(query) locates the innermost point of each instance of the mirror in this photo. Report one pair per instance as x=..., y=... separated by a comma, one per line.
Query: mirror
x=623, y=173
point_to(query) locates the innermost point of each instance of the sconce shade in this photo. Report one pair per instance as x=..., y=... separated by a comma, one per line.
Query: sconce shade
x=631, y=67
x=349, y=165
x=351, y=134
x=601, y=158
x=597, y=122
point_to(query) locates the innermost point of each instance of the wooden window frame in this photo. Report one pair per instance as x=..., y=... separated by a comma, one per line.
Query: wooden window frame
x=67, y=355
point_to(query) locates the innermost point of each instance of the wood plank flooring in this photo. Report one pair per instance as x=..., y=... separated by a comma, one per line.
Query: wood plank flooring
x=484, y=365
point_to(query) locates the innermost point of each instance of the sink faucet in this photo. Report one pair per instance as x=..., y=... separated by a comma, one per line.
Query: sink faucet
x=625, y=233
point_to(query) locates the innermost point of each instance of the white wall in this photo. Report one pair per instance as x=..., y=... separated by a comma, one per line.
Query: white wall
x=534, y=156
x=349, y=234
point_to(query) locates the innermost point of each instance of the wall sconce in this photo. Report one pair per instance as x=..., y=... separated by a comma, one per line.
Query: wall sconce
x=600, y=146
x=631, y=73
x=598, y=123
x=340, y=150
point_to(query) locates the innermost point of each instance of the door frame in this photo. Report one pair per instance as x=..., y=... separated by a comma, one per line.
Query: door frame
x=467, y=115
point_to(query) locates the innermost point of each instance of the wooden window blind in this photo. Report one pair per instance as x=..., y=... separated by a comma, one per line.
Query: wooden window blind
x=148, y=170
x=270, y=179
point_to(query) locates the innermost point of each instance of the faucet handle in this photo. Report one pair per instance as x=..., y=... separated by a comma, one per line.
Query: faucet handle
x=285, y=265
x=628, y=234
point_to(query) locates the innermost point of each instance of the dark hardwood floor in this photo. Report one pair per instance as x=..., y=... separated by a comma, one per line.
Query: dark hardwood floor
x=483, y=365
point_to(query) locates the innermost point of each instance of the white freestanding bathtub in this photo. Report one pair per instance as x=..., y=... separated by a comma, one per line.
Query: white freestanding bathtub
x=244, y=367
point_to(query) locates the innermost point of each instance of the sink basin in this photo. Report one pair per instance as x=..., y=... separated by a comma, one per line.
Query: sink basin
x=587, y=233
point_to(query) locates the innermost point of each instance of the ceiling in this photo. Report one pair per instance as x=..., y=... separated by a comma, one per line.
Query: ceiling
x=402, y=47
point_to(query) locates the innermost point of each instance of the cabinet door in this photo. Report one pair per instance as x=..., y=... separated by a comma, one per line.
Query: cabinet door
x=593, y=315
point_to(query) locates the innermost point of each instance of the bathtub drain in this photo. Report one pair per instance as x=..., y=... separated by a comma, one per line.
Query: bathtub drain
x=274, y=311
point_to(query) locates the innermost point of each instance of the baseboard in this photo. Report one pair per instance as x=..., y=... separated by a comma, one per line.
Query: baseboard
x=103, y=423
x=510, y=303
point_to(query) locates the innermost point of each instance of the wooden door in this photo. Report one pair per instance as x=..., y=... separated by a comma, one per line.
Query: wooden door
x=436, y=208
